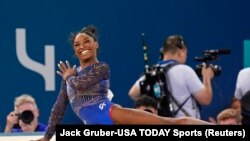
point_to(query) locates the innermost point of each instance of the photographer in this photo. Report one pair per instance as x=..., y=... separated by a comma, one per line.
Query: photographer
x=184, y=85
x=24, y=118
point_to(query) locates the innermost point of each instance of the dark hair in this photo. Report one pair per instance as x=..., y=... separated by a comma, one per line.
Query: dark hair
x=245, y=104
x=89, y=30
x=147, y=101
x=245, y=108
x=174, y=42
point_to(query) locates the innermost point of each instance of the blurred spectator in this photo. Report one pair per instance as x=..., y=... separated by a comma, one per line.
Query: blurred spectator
x=235, y=104
x=146, y=103
x=229, y=117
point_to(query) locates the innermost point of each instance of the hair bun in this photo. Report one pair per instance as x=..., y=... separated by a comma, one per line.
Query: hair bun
x=90, y=30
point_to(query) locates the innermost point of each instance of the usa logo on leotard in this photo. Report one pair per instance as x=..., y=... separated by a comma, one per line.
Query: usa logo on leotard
x=101, y=106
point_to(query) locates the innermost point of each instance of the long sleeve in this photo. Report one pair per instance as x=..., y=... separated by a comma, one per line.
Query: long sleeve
x=57, y=111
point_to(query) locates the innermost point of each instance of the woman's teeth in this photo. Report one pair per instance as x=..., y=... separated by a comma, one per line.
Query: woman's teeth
x=85, y=52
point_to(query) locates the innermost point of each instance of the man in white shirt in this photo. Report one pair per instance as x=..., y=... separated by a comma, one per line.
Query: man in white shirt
x=183, y=83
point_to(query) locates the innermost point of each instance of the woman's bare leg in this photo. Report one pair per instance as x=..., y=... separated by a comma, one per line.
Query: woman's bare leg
x=134, y=116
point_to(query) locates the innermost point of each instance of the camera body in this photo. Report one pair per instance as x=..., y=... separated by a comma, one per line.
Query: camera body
x=26, y=116
x=155, y=85
x=210, y=55
x=216, y=69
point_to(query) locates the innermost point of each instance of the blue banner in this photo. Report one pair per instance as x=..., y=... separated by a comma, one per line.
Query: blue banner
x=34, y=38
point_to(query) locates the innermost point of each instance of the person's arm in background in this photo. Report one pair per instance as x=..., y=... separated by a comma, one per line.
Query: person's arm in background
x=135, y=91
x=204, y=95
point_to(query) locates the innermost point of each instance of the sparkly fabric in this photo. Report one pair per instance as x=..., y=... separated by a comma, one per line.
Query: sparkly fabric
x=88, y=87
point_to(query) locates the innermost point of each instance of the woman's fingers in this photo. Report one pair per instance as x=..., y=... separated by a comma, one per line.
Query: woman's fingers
x=63, y=66
x=59, y=73
x=74, y=67
x=68, y=64
x=60, y=67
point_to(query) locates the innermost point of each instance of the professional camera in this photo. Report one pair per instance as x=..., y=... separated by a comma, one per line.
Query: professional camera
x=210, y=55
x=153, y=84
x=26, y=116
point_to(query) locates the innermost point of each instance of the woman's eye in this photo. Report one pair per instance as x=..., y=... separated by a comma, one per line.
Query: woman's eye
x=76, y=45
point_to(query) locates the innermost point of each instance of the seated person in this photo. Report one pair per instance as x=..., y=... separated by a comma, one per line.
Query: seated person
x=24, y=118
x=147, y=103
x=229, y=117
x=235, y=104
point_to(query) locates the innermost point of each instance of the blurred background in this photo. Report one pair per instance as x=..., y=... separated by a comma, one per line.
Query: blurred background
x=34, y=38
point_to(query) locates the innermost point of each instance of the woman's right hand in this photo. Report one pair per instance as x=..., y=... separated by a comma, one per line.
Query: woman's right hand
x=66, y=69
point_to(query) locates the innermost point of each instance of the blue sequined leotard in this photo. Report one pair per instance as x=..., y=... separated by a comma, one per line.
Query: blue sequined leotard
x=87, y=94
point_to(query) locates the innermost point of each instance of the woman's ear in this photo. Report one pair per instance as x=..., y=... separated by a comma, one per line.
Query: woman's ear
x=96, y=45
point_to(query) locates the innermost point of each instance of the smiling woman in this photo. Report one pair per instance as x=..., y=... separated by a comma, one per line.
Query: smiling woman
x=86, y=88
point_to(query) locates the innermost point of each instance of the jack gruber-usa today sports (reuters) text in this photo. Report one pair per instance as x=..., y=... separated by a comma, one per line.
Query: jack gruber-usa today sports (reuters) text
x=179, y=132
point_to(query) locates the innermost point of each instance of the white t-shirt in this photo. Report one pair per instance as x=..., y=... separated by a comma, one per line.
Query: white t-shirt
x=183, y=83
x=243, y=83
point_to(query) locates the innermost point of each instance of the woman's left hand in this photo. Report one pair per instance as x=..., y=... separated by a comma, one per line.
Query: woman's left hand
x=66, y=70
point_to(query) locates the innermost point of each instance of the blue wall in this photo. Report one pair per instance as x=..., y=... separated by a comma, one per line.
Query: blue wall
x=204, y=25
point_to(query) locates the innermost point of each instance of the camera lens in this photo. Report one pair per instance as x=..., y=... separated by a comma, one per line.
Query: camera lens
x=27, y=116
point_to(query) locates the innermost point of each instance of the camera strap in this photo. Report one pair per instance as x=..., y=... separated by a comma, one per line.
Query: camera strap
x=180, y=106
x=166, y=69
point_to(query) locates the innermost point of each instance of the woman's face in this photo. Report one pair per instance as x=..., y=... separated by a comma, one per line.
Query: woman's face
x=85, y=46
